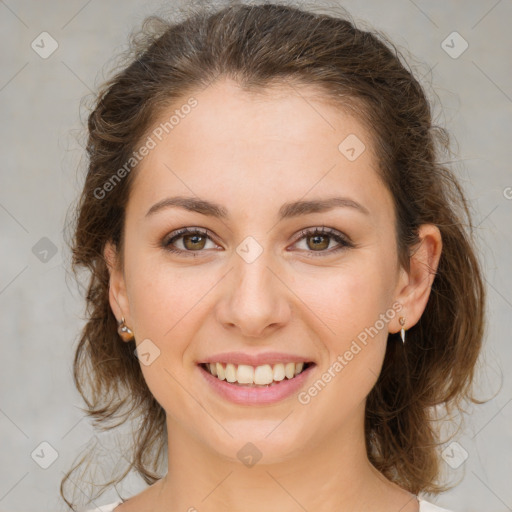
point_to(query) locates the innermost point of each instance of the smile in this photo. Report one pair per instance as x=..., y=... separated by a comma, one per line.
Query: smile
x=264, y=384
x=255, y=376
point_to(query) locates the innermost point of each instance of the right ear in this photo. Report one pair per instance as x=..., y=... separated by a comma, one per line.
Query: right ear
x=117, y=296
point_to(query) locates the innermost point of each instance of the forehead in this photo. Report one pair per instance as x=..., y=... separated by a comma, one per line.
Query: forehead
x=257, y=146
x=262, y=119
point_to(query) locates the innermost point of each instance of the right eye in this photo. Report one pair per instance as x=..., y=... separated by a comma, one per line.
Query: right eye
x=193, y=240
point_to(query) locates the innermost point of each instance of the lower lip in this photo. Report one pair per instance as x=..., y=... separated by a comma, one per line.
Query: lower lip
x=257, y=395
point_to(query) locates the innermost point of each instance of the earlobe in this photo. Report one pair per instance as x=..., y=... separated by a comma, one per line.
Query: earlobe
x=424, y=261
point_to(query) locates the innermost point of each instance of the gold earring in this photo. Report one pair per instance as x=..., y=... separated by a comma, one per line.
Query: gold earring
x=402, y=330
x=124, y=331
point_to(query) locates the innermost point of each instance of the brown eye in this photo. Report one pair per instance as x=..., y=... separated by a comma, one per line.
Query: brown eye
x=193, y=240
x=318, y=241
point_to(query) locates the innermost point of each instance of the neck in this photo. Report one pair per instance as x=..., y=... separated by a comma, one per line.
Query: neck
x=333, y=474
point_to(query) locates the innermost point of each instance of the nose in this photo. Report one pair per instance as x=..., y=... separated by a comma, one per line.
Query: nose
x=255, y=300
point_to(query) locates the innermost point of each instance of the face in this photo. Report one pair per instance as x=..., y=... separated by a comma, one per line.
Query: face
x=259, y=281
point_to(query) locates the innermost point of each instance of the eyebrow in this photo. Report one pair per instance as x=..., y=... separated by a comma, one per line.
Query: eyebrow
x=287, y=210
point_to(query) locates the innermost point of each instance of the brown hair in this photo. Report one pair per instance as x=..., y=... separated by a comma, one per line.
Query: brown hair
x=257, y=46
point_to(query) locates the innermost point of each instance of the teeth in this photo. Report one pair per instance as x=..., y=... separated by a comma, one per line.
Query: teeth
x=230, y=372
x=245, y=374
x=250, y=375
x=289, y=370
x=220, y=371
x=279, y=372
x=263, y=374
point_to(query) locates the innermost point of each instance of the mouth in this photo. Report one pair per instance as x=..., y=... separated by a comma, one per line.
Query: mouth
x=262, y=376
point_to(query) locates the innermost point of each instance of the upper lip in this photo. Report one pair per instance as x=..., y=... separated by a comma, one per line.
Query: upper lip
x=255, y=359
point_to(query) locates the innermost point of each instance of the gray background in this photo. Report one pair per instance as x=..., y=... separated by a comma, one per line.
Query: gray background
x=41, y=148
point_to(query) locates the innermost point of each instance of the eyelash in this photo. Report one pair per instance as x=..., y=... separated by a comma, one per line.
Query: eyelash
x=332, y=233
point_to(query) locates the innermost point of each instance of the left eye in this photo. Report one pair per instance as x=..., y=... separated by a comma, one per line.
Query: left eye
x=321, y=238
x=194, y=240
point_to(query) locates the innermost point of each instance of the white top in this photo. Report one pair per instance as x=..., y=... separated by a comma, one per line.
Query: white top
x=425, y=506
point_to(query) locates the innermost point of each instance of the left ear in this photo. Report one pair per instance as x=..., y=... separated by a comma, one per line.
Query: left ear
x=414, y=286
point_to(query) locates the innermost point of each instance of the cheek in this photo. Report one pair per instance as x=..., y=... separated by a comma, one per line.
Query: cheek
x=164, y=307
x=168, y=304
x=354, y=312
x=349, y=299
x=161, y=300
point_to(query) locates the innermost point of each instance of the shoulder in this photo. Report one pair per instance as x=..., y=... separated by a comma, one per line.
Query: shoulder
x=425, y=506
x=105, y=508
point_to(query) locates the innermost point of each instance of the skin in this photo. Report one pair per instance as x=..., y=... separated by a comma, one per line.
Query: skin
x=292, y=298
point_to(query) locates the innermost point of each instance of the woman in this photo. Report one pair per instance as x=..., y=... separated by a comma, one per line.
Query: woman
x=282, y=288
